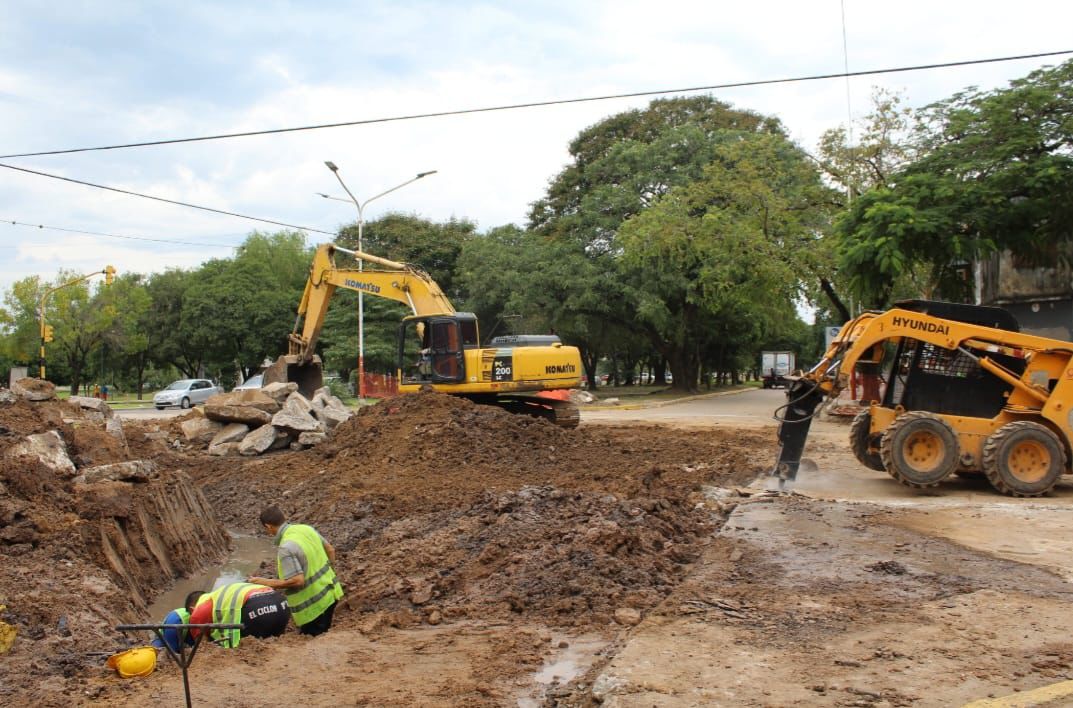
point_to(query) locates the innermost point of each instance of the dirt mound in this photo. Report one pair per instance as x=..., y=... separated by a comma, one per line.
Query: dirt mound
x=441, y=508
x=23, y=418
x=570, y=558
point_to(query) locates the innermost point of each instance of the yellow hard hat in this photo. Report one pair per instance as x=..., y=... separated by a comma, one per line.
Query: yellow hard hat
x=139, y=661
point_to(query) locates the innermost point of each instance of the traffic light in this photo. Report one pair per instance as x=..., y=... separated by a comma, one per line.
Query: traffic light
x=48, y=333
x=109, y=274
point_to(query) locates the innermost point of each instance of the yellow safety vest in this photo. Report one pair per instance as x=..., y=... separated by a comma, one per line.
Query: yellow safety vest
x=321, y=588
x=227, y=609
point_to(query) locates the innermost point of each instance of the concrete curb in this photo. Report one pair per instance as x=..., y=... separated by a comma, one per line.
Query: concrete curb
x=661, y=404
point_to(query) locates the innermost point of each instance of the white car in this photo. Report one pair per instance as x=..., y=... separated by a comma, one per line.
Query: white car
x=185, y=393
x=254, y=382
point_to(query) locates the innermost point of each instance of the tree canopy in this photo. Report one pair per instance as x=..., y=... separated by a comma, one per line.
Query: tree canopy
x=992, y=171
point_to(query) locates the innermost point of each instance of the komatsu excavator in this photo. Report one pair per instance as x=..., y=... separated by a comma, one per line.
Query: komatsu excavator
x=438, y=348
x=965, y=393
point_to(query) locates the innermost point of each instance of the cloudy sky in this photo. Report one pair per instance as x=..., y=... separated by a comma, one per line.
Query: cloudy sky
x=86, y=74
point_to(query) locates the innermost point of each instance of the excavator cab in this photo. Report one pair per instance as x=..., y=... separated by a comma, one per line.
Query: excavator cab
x=432, y=348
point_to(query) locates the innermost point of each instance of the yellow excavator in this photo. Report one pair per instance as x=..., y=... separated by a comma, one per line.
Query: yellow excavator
x=438, y=348
x=966, y=392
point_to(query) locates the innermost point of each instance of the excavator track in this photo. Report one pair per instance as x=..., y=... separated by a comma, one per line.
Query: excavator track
x=565, y=414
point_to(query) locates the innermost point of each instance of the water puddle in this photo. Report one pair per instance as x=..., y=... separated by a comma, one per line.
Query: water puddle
x=562, y=667
x=247, y=553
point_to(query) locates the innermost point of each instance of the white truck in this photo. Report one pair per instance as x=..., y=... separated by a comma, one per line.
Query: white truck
x=775, y=367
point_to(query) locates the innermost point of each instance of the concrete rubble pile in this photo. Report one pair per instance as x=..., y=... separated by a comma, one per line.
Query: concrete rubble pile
x=274, y=417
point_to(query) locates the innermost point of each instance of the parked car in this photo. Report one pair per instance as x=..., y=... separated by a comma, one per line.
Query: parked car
x=255, y=381
x=185, y=393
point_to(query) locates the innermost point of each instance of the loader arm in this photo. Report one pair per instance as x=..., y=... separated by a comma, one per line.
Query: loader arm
x=862, y=339
x=401, y=282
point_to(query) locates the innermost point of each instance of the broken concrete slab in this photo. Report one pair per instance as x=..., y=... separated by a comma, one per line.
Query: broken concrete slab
x=114, y=427
x=296, y=415
x=47, y=448
x=92, y=404
x=283, y=439
x=313, y=437
x=298, y=402
x=230, y=433
x=331, y=416
x=7, y=397
x=279, y=391
x=200, y=430
x=34, y=389
x=223, y=449
x=258, y=440
x=250, y=398
x=237, y=414
x=130, y=471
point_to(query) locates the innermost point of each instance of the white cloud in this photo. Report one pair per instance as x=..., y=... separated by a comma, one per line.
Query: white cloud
x=71, y=78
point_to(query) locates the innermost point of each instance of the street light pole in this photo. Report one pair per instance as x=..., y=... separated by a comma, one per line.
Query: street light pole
x=361, y=232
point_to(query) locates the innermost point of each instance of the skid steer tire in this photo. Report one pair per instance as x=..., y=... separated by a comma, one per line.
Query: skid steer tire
x=1023, y=459
x=864, y=450
x=919, y=449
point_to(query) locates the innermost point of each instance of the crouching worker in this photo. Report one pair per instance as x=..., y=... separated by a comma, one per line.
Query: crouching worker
x=175, y=637
x=304, y=566
x=261, y=610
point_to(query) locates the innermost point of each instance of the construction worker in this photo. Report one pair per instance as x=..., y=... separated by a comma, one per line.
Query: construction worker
x=304, y=569
x=261, y=610
x=180, y=615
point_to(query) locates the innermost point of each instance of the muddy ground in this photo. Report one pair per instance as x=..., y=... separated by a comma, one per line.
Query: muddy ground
x=494, y=560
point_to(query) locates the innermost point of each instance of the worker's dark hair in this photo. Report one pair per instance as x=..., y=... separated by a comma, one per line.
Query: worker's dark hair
x=191, y=600
x=272, y=516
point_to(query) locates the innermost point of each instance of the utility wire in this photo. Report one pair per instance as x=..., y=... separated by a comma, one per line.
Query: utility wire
x=166, y=201
x=98, y=233
x=536, y=104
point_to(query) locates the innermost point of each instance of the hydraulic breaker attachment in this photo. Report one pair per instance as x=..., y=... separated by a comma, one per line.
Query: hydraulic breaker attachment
x=802, y=399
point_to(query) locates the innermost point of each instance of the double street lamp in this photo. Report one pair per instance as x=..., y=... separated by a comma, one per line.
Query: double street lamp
x=361, y=230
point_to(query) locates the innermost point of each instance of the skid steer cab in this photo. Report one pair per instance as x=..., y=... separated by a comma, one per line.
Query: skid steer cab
x=964, y=392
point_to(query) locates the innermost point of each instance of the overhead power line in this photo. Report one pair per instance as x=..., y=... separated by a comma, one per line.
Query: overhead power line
x=166, y=201
x=99, y=233
x=537, y=104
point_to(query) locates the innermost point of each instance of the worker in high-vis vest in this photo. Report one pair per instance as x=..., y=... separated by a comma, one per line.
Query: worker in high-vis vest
x=260, y=610
x=175, y=637
x=304, y=568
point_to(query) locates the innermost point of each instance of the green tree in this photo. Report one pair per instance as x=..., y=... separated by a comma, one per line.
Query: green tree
x=620, y=168
x=713, y=266
x=19, y=321
x=993, y=171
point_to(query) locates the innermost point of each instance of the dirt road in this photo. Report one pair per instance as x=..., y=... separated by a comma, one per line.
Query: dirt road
x=858, y=591
x=492, y=560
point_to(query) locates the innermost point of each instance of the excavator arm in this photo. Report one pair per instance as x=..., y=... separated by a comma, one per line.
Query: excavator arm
x=401, y=282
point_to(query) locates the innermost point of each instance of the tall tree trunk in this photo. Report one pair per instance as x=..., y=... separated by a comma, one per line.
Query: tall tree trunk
x=684, y=370
x=829, y=290
x=589, y=358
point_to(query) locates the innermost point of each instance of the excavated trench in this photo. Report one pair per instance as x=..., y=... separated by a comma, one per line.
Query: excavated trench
x=443, y=513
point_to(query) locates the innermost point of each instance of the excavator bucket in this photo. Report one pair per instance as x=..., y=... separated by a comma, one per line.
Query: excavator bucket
x=289, y=368
x=802, y=399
